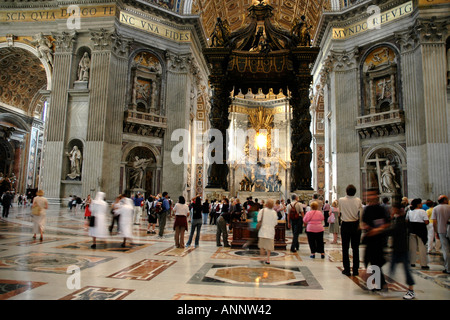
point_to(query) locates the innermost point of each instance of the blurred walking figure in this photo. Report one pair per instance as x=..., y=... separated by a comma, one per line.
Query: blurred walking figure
x=252, y=217
x=441, y=216
x=97, y=226
x=266, y=234
x=400, y=253
x=375, y=221
x=126, y=211
x=115, y=213
x=38, y=209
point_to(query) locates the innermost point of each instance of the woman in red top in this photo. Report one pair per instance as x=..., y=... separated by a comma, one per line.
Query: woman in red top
x=314, y=230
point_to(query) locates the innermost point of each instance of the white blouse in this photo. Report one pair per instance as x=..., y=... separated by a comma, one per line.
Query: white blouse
x=269, y=221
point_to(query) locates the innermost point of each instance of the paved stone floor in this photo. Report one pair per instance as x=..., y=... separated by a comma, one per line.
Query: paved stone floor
x=64, y=267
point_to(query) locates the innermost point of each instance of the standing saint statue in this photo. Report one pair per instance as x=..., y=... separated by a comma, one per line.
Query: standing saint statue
x=75, y=163
x=84, y=67
x=388, y=182
x=137, y=172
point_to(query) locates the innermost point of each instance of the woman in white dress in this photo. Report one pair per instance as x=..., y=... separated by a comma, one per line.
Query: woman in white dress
x=98, y=227
x=126, y=210
x=39, y=207
x=266, y=233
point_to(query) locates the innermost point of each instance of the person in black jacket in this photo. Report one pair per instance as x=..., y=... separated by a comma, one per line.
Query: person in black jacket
x=375, y=222
x=205, y=211
x=6, y=203
x=400, y=253
x=196, y=221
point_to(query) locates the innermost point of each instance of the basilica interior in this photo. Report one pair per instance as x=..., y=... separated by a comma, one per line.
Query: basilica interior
x=218, y=99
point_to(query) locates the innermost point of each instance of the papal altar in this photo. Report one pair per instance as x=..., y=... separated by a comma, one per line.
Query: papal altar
x=242, y=234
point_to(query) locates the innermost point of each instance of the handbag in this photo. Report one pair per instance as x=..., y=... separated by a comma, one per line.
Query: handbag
x=258, y=225
x=92, y=221
x=36, y=211
x=331, y=218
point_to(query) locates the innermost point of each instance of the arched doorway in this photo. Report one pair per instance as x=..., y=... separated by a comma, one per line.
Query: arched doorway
x=140, y=170
x=384, y=170
x=23, y=82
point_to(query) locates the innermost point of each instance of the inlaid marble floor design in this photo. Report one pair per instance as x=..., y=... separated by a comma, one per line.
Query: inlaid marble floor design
x=63, y=266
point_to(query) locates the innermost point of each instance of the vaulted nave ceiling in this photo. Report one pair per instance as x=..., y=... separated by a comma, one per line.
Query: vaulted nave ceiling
x=236, y=11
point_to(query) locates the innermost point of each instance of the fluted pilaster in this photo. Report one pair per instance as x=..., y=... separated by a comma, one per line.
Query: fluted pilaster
x=177, y=109
x=51, y=171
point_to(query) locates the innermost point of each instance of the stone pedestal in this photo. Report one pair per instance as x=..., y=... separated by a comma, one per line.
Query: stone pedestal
x=80, y=85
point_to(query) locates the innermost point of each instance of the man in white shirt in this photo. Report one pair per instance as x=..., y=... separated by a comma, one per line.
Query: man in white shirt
x=440, y=217
x=350, y=208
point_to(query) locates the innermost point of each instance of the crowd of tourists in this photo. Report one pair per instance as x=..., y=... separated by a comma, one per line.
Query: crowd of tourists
x=406, y=226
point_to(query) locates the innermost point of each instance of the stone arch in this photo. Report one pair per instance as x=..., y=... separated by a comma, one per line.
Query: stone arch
x=393, y=67
x=146, y=85
x=145, y=179
x=31, y=49
x=23, y=78
x=130, y=146
x=375, y=159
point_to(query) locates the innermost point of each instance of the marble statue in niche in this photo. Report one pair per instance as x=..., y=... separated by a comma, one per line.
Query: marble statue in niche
x=84, y=68
x=388, y=183
x=137, y=172
x=384, y=177
x=76, y=159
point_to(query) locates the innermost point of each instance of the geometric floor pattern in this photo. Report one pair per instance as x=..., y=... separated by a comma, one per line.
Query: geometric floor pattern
x=152, y=268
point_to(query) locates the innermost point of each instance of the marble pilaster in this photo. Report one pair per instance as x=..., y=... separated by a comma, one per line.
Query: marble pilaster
x=344, y=82
x=107, y=94
x=51, y=171
x=426, y=112
x=177, y=108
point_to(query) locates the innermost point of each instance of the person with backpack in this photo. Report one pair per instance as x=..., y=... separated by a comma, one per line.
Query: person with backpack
x=295, y=221
x=151, y=215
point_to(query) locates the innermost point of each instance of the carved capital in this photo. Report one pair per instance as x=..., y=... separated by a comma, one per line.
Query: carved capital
x=64, y=41
x=407, y=40
x=120, y=45
x=179, y=63
x=102, y=39
x=343, y=60
x=431, y=30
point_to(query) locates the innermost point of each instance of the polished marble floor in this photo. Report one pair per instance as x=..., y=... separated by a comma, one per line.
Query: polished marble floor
x=64, y=267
